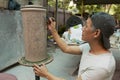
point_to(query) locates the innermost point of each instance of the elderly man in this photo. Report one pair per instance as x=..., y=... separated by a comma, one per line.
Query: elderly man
x=97, y=62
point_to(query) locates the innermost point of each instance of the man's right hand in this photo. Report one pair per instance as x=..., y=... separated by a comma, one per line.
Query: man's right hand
x=51, y=24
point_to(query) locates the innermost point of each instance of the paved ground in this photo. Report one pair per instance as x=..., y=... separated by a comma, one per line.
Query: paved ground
x=63, y=65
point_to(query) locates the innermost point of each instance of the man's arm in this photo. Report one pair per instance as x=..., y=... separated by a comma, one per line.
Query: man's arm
x=63, y=46
x=43, y=72
x=79, y=78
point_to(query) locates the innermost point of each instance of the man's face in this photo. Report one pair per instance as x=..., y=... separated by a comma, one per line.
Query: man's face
x=88, y=31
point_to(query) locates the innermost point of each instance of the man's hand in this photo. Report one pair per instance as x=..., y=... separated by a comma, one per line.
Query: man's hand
x=41, y=70
x=51, y=24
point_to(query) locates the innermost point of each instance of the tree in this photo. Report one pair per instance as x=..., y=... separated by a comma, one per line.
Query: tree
x=60, y=3
x=117, y=11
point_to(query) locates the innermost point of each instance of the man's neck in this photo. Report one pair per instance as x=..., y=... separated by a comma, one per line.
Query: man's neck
x=97, y=48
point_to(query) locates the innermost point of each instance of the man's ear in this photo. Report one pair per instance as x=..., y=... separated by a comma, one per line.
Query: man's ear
x=97, y=33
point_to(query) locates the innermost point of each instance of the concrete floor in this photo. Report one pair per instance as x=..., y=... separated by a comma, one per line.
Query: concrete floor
x=63, y=65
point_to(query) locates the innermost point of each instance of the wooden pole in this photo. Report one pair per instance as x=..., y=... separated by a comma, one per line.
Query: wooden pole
x=82, y=8
x=56, y=14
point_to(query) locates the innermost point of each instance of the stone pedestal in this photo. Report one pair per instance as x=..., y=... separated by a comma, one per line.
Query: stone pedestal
x=35, y=35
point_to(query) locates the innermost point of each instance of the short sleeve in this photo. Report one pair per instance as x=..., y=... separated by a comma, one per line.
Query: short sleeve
x=84, y=47
x=95, y=74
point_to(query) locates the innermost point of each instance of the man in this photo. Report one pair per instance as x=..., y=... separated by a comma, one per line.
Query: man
x=76, y=33
x=97, y=62
x=66, y=35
